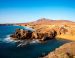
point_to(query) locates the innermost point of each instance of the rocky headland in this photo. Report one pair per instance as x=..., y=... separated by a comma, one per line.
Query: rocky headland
x=47, y=28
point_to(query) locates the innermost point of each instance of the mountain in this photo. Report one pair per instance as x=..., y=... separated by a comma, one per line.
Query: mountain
x=44, y=21
x=49, y=21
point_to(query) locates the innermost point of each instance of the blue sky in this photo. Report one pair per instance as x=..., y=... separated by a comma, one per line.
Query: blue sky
x=18, y=11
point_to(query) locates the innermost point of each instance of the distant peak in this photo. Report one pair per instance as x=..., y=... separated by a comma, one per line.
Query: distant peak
x=43, y=19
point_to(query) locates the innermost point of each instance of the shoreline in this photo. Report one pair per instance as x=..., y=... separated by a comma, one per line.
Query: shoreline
x=64, y=51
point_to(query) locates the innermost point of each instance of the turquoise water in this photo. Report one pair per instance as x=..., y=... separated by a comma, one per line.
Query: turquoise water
x=9, y=49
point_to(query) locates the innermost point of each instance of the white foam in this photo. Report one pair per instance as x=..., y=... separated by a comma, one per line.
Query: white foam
x=22, y=43
x=34, y=41
x=28, y=28
x=8, y=39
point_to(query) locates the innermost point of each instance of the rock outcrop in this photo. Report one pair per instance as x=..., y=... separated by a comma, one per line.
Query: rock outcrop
x=61, y=30
x=50, y=34
x=65, y=51
x=21, y=34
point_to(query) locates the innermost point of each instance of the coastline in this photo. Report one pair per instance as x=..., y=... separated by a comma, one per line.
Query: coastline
x=65, y=51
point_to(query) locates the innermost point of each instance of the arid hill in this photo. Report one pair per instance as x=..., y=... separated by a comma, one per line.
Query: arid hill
x=49, y=21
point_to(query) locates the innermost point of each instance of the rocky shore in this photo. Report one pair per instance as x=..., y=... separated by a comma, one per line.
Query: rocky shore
x=21, y=34
x=65, y=51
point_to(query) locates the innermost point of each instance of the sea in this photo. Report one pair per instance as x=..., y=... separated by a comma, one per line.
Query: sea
x=10, y=49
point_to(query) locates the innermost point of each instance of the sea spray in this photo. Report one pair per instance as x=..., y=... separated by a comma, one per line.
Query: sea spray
x=20, y=42
x=8, y=39
x=25, y=42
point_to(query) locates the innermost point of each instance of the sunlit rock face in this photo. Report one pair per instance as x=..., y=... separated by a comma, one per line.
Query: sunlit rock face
x=65, y=51
x=21, y=34
x=61, y=30
x=50, y=34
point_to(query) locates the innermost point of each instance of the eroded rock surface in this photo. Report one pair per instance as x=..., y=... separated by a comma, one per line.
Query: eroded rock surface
x=21, y=34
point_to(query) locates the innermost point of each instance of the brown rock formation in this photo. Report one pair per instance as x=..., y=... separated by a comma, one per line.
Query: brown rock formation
x=47, y=35
x=61, y=30
x=21, y=34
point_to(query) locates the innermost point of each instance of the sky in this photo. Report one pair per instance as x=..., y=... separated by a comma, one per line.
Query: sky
x=20, y=11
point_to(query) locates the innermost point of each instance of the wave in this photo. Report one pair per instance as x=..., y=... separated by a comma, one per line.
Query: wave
x=35, y=41
x=8, y=39
x=28, y=28
x=20, y=42
x=23, y=43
